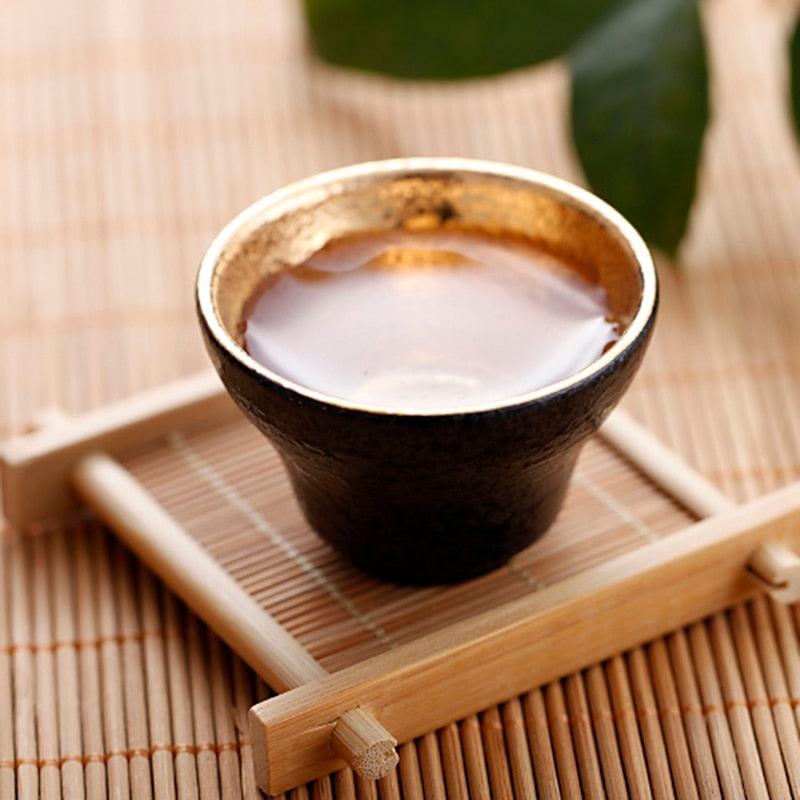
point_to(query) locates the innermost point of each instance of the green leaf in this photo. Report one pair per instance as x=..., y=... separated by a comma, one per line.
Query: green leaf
x=794, y=75
x=447, y=38
x=639, y=110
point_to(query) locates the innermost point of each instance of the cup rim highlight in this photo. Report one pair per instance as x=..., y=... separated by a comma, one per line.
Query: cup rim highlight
x=318, y=187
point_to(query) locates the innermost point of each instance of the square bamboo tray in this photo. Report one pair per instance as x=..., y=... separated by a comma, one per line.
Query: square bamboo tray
x=200, y=497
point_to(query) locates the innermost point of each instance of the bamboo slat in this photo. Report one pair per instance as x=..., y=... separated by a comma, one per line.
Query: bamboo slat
x=604, y=731
x=587, y=760
x=7, y=738
x=517, y=747
x=452, y=761
x=102, y=773
x=47, y=745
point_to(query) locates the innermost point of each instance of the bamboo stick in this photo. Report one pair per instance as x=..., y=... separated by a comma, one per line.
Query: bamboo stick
x=608, y=750
x=664, y=467
x=133, y=680
x=344, y=785
x=99, y=770
x=26, y=753
x=176, y=646
x=205, y=736
x=389, y=786
x=689, y=703
x=630, y=742
x=735, y=702
x=666, y=698
x=113, y=698
x=730, y=772
x=7, y=755
x=583, y=736
x=787, y=633
x=430, y=763
x=544, y=765
x=453, y=760
x=322, y=788
x=159, y=711
x=496, y=754
x=517, y=748
x=365, y=789
x=221, y=704
x=758, y=703
x=299, y=793
x=363, y=743
x=46, y=679
x=161, y=543
x=74, y=783
x=777, y=689
x=474, y=757
x=777, y=567
x=243, y=698
x=566, y=763
x=410, y=772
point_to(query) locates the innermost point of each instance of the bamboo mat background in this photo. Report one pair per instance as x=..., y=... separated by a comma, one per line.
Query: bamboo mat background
x=129, y=133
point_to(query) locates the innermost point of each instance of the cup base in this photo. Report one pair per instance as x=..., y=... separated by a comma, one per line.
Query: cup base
x=424, y=550
x=427, y=571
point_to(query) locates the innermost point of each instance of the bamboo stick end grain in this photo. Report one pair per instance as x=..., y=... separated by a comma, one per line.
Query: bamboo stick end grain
x=365, y=744
x=777, y=568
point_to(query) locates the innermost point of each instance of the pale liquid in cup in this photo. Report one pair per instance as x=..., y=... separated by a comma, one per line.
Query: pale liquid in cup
x=425, y=320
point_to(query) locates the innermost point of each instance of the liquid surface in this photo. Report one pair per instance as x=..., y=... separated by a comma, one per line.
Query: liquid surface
x=428, y=320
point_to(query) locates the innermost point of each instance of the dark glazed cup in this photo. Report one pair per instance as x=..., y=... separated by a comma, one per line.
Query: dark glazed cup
x=438, y=495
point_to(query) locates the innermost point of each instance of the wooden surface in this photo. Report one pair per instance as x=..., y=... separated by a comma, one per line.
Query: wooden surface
x=129, y=133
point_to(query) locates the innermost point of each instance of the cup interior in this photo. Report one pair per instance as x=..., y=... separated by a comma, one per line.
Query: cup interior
x=284, y=229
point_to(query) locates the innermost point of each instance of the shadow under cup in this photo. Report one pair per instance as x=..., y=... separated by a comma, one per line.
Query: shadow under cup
x=434, y=495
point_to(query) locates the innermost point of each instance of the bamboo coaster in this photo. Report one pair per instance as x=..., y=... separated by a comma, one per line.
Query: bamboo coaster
x=321, y=721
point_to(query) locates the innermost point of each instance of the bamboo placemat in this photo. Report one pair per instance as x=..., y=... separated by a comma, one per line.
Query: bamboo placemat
x=129, y=133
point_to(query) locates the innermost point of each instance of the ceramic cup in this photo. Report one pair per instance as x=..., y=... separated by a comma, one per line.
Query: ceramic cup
x=436, y=495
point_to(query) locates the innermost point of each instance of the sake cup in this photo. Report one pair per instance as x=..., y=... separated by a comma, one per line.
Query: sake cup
x=429, y=495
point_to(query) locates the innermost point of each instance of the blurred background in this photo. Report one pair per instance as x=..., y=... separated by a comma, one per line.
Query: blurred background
x=130, y=132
